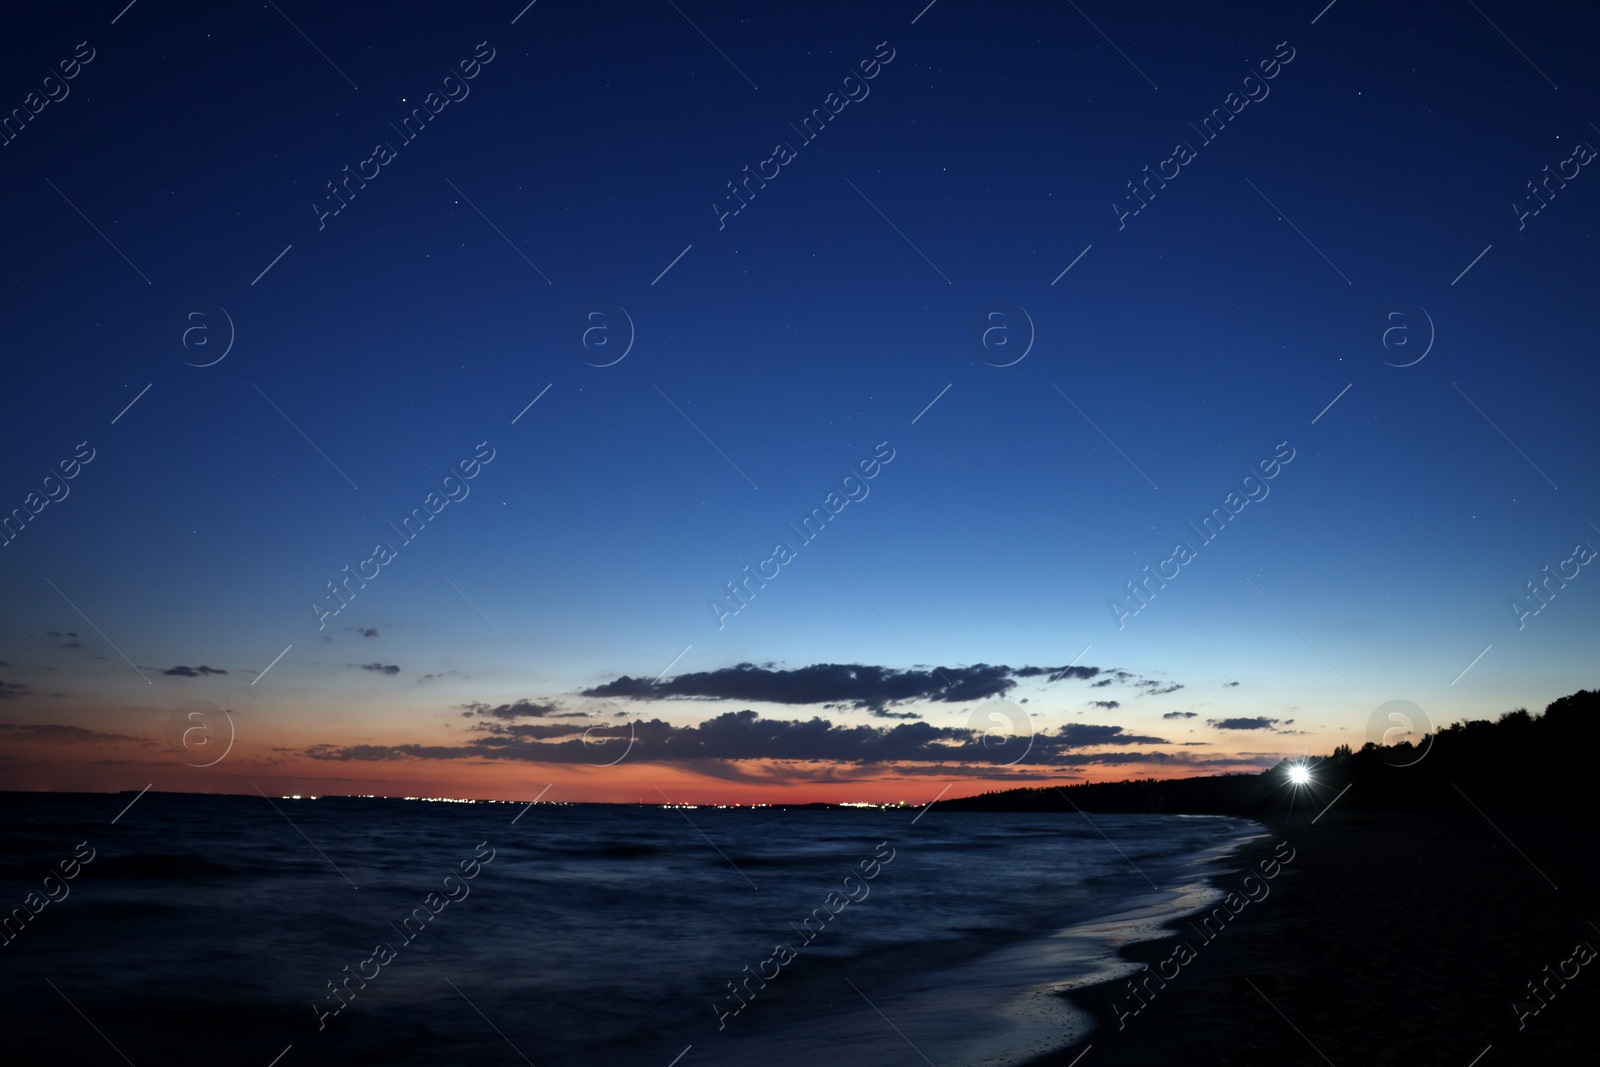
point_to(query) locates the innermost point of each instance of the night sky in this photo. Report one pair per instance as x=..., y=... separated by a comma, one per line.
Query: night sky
x=609, y=299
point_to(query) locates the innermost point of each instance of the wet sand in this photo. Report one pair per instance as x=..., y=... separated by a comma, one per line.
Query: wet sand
x=1390, y=938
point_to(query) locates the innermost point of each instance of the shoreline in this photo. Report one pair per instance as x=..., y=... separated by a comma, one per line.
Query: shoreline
x=997, y=1004
x=1397, y=938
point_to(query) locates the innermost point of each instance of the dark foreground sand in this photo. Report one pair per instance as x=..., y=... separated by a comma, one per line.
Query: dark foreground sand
x=1389, y=939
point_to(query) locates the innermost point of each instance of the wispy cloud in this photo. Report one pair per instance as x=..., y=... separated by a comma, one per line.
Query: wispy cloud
x=58, y=733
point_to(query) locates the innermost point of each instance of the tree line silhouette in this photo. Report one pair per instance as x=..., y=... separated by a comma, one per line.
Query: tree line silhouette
x=1519, y=762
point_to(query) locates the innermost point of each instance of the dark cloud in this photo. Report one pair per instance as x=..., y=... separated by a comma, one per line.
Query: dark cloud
x=192, y=672
x=1230, y=685
x=59, y=633
x=10, y=690
x=743, y=735
x=1083, y=734
x=1107, y=704
x=847, y=685
x=1056, y=674
x=381, y=668
x=442, y=674
x=522, y=709
x=850, y=685
x=1179, y=715
x=536, y=730
x=1155, y=689
x=61, y=734
x=1258, y=723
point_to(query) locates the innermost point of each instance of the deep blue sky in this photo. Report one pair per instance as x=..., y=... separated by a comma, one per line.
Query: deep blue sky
x=796, y=338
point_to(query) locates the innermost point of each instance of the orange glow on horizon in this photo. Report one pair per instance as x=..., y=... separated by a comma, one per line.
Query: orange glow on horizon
x=99, y=769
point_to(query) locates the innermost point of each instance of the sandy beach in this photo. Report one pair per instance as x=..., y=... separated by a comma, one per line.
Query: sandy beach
x=1390, y=938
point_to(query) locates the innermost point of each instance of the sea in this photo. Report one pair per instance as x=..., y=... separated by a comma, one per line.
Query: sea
x=268, y=931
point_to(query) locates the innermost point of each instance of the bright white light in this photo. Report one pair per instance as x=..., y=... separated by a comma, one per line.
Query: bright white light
x=1299, y=775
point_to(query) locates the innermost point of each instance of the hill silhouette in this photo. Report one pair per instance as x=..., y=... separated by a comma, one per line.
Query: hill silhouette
x=1520, y=762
